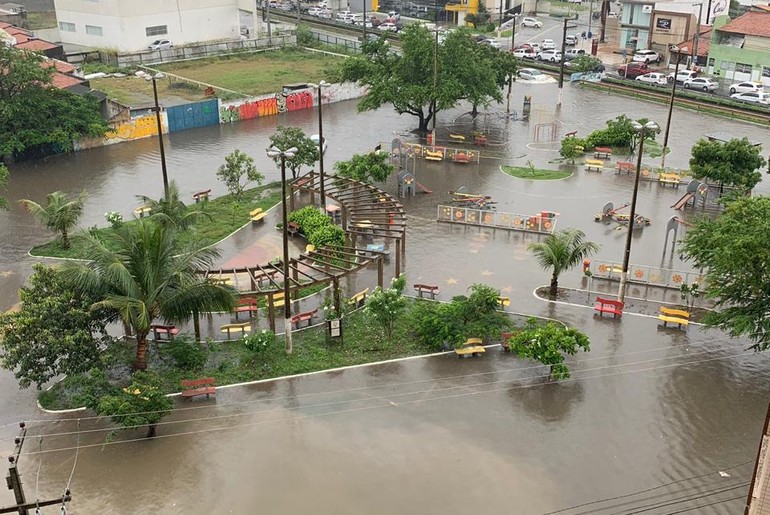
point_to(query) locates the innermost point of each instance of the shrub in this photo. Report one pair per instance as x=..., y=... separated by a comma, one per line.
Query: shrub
x=386, y=305
x=261, y=342
x=187, y=353
x=572, y=148
x=317, y=227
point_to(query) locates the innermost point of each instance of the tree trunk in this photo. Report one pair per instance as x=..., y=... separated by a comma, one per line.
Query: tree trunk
x=197, y=326
x=475, y=111
x=422, y=127
x=140, y=363
x=65, y=240
x=554, y=286
x=151, y=430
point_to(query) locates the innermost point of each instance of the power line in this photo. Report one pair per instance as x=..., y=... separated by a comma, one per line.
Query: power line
x=685, y=498
x=704, y=505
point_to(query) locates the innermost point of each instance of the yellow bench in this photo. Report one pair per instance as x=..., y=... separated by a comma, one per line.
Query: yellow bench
x=142, y=210
x=675, y=316
x=434, y=155
x=504, y=302
x=258, y=217
x=228, y=281
x=255, y=212
x=242, y=328
x=278, y=300
x=668, y=178
x=472, y=347
x=359, y=298
x=594, y=165
x=457, y=137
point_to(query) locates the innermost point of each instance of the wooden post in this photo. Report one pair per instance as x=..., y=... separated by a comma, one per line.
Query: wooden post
x=380, y=260
x=336, y=293
x=398, y=257
x=271, y=311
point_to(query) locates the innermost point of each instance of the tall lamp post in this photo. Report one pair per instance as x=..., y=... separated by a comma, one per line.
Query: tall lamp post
x=321, y=141
x=678, y=52
x=160, y=133
x=272, y=153
x=642, y=131
x=510, y=79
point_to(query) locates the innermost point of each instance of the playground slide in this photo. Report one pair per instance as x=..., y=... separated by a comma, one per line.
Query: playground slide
x=423, y=188
x=682, y=201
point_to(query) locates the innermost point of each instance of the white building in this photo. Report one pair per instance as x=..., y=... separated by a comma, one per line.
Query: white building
x=131, y=25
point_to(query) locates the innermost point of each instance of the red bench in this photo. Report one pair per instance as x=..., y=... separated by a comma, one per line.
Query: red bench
x=159, y=331
x=201, y=195
x=625, y=166
x=293, y=228
x=246, y=305
x=603, y=152
x=603, y=305
x=426, y=288
x=307, y=316
x=196, y=387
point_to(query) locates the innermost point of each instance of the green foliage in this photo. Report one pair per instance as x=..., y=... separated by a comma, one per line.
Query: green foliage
x=285, y=138
x=304, y=36
x=238, y=165
x=329, y=235
x=367, y=168
x=54, y=332
x=3, y=184
x=172, y=211
x=385, y=305
x=734, y=249
x=690, y=293
x=482, y=17
x=548, y=344
x=262, y=342
x=619, y=133
x=734, y=163
x=186, y=353
x=317, y=227
x=572, y=148
x=60, y=214
x=561, y=251
x=142, y=403
x=585, y=63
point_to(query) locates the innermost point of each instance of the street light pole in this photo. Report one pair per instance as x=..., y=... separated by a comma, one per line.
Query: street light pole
x=641, y=130
x=274, y=152
x=671, y=105
x=160, y=135
x=510, y=78
x=561, y=61
x=321, y=143
x=697, y=34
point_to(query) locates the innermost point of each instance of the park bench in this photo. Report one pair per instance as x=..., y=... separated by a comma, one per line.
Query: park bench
x=570, y=134
x=480, y=141
x=278, y=299
x=201, y=196
x=293, y=228
x=457, y=137
x=669, y=178
x=594, y=165
x=164, y=332
x=307, y=316
x=461, y=157
x=142, y=210
x=226, y=281
x=434, y=155
x=242, y=328
x=246, y=305
x=624, y=167
x=359, y=298
x=471, y=347
x=675, y=316
x=257, y=215
x=603, y=305
x=603, y=152
x=195, y=387
x=504, y=302
x=426, y=288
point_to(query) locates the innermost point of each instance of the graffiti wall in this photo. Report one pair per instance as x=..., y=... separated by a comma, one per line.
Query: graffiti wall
x=138, y=128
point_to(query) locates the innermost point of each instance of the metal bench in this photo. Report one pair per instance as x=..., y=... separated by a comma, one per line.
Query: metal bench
x=603, y=305
x=428, y=289
x=675, y=316
x=196, y=387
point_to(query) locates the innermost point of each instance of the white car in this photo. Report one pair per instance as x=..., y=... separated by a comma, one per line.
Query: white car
x=548, y=44
x=530, y=74
x=159, y=44
x=549, y=55
x=387, y=26
x=571, y=40
x=394, y=15
x=746, y=87
x=701, y=83
x=535, y=47
x=656, y=79
x=319, y=11
x=525, y=53
x=612, y=14
x=752, y=97
x=491, y=42
x=345, y=16
x=646, y=56
x=572, y=53
x=682, y=76
x=531, y=22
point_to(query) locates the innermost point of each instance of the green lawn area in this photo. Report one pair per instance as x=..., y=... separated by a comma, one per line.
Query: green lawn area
x=41, y=20
x=536, y=174
x=259, y=73
x=136, y=91
x=226, y=216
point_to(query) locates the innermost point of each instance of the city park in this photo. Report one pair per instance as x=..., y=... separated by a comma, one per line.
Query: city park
x=153, y=278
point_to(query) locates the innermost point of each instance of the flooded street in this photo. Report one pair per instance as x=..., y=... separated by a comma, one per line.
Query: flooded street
x=646, y=407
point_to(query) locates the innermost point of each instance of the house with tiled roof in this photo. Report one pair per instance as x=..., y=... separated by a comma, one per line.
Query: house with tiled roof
x=740, y=48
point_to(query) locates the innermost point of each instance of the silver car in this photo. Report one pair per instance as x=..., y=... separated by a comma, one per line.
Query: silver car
x=701, y=83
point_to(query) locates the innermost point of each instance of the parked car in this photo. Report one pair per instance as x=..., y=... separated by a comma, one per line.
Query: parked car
x=530, y=74
x=531, y=22
x=548, y=44
x=752, y=97
x=572, y=53
x=682, y=76
x=701, y=83
x=345, y=16
x=491, y=42
x=388, y=26
x=321, y=12
x=646, y=56
x=159, y=44
x=611, y=14
x=633, y=70
x=394, y=15
x=553, y=56
x=746, y=87
x=655, y=79
x=535, y=47
x=571, y=40
x=525, y=53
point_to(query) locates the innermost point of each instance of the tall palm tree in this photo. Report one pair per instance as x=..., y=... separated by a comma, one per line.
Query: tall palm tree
x=60, y=213
x=561, y=251
x=149, y=276
x=171, y=210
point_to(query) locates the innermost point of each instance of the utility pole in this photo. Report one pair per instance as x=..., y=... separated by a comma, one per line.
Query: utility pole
x=435, y=71
x=561, y=61
x=697, y=36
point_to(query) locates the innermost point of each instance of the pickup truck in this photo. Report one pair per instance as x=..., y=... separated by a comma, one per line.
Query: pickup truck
x=633, y=70
x=572, y=53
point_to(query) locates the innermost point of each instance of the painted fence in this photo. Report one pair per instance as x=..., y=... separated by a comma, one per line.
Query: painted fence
x=544, y=222
x=191, y=116
x=642, y=274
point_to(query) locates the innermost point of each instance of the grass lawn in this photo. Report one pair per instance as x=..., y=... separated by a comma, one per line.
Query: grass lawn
x=256, y=74
x=226, y=215
x=536, y=174
x=136, y=91
x=41, y=20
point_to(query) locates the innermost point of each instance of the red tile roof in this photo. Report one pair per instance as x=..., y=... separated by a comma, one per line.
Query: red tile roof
x=753, y=23
x=61, y=80
x=704, y=42
x=35, y=45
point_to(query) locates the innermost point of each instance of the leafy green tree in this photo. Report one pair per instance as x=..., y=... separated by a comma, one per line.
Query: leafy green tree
x=572, y=148
x=307, y=153
x=585, y=63
x=548, y=344
x=367, y=168
x=60, y=214
x=172, y=211
x=142, y=403
x=561, y=251
x=3, y=184
x=734, y=163
x=385, y=305
x=238, y=167
x=142, y=272
x=619, y=132
x=54, y=332
x=734, y=249
x=22, y=72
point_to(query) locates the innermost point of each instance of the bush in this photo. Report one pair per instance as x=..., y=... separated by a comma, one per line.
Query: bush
x=317, y=227
x=187, y=353
x=304, y=36
x=572, y=148
x=261, y=342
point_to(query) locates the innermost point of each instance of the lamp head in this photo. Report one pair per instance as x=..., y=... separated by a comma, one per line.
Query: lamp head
x=323, y=83
x=273, y=152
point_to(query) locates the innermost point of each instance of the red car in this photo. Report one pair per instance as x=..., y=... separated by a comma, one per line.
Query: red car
x=633, y=70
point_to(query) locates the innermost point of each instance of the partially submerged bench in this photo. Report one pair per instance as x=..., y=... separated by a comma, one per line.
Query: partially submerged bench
x=307, y=316
x=359, y=299
x=594, y=165
x=428, y=289
x=293, y=228
x=675, y=316
x=196, y=387
x=503, y=302
x=163, y=332
x=471, y=347
x=257, y=215
x=201, y=195
x=603, y=305
x=603, y=152
x=241, y=328
x=625, y=166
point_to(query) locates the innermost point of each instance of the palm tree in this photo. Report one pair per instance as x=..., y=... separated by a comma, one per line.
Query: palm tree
x=148, y=276
x=60, y=214
x=171, y=210
x=562, y=251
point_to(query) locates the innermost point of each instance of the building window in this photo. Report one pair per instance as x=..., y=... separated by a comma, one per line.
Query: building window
x=94, y=30
x=66, y=26
x=766, y=72
x=726, y=65
x=711, y=61
x=742, y=68
x=157, y=30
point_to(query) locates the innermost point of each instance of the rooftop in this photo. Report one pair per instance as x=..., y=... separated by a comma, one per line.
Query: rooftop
x=704, y=42
x=754, y=23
